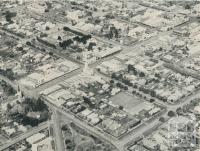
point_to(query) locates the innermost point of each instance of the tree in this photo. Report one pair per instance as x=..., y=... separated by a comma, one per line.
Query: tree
x=171, y=114
x=114, y=76
x=77, y=38
x=142, y=74
x=9, y=15
x=126, y=82
x=179, y=111
x=43, y=35
x=157, y=75
x=40, y=105
x=10, y=91
x=35, y=105
x=147, y=115
x=131, y=68
x=51, y=53
x=9, y=74
x=67, y=141
x=59, y=38
x=46, y=10
x=121, y=107
x=116, y=33
x=43, y=50
x=28, y=43
x=65, y=43
x=135, y=72
x=135, y=86
x=112, y=81
x=157, y=148
x=119, y=85
x=66, y=28
x=153, y=93
x=162, y=119
x=125, y=88
x=152, y=100
x=20, y=48
x=9, y=107
x=160, y=49
x=91, y=45
x=120, y=76
x=65, y=127
x=170, y=3
x=47, y=28
x=79, y=58
x=187, y=6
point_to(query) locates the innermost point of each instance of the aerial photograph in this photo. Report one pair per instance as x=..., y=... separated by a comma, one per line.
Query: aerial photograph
x=99, y=75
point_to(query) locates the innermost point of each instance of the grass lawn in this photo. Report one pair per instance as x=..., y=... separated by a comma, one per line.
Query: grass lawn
x=131, y=104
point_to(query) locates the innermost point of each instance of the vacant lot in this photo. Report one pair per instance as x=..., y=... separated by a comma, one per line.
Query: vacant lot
x=130, y=103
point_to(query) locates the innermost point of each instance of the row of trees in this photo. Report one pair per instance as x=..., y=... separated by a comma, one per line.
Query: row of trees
x=7, y=73
x=7, y=88
x=73, y=31
x=142, y=89
x=81, y=38
x=157, y=78
x=77, y=5
x=65, y=44
x=22, y=35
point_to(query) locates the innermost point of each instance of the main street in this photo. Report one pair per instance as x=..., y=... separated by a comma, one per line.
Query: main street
x=59, y=142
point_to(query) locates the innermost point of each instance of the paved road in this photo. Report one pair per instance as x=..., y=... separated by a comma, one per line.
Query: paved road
x=57, y=132
x=24, y=136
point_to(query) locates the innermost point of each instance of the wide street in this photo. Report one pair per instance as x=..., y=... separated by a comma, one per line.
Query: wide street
x=27, y=134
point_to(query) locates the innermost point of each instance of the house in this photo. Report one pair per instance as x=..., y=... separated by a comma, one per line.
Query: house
x=44, y=145
x=51, y=90
x=197, y=110
x=9, y=131
x=93, y=118
x=86, y=112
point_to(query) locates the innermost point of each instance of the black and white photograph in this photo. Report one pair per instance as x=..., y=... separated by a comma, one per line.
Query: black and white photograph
x=99, y=75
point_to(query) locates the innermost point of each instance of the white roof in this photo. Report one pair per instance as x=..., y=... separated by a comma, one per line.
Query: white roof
x=44, y=145
x=197, y=109
x=35, y=138
x=51, y=89
x=179, y=120
x=28, y=83
x=58, y=94
x=92, y=115
x=36, y=76
x=86, y=112
x=67, y=96
x=10, y=131
x=154, y=110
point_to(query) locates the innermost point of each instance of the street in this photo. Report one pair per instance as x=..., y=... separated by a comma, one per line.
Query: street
x=29, y=133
